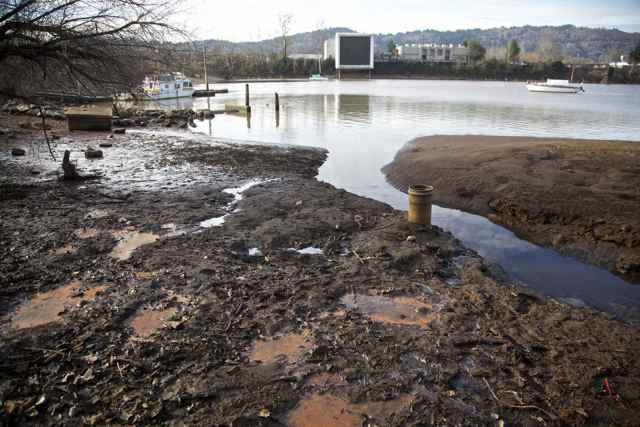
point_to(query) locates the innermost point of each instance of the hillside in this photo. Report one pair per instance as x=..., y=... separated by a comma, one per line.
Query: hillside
x=595, y=44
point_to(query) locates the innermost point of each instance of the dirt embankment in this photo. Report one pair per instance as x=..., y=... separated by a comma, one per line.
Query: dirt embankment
x=581, y=197
x=247, y=293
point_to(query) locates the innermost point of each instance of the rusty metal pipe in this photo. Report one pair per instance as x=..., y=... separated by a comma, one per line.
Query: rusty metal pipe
x=420, y=204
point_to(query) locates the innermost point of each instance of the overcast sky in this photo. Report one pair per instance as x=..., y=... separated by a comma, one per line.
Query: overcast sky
x=242, y=20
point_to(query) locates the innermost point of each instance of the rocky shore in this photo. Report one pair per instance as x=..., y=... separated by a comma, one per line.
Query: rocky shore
x=202, y=282
x=581, y=197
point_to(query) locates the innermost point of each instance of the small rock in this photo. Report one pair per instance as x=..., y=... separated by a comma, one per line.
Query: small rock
x=299, y=203
x=18, y=152
x=411, y=238
x=106, y=144
x=119, y=131
x=92, y=153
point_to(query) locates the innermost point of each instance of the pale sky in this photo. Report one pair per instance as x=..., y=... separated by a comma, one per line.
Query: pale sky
x=248, y=20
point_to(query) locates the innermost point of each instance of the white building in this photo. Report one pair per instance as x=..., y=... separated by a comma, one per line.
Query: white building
x=620, y=64
x=433, y=53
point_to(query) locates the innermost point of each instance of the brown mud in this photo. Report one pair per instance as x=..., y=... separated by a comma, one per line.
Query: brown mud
x=440, y=342
x=581, y=197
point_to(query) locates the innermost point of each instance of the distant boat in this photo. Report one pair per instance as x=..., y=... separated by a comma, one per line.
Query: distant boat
x=555, y=86
x=318, y=77
x=168, y=86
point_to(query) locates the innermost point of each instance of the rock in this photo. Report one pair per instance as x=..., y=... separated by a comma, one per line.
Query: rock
x=411, y=238
x=106, y=144
x=92, y=153
x=18, y=152
x=119, y=131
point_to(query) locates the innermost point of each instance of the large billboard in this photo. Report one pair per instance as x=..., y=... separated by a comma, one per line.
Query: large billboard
x=354, y=51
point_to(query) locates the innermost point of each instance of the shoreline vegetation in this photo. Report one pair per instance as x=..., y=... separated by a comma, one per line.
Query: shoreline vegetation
x=224, y=284
x=243, y=67
x=579, y=197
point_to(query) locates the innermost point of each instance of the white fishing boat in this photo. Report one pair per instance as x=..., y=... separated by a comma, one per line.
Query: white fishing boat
x=555, y=86
x=167, y=86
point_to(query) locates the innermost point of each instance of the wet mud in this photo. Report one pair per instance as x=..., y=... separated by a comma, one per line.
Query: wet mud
x=579, y=197
x=228, y=326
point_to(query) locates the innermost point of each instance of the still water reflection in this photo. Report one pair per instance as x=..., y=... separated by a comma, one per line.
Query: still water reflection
x=364, y=124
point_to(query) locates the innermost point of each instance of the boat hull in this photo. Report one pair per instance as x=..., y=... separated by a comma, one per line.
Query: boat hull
x=172, y=95
x=553, y=89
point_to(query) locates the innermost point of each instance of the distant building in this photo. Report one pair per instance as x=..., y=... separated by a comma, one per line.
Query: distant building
x=329, y=48
x=620, y=64
x=433, y=53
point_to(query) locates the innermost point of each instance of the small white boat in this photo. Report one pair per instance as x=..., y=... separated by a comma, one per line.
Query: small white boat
x=168, y=86
x=554, y=86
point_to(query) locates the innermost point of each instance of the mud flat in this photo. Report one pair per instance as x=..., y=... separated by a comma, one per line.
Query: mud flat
x=581, y=197
x=306, y=306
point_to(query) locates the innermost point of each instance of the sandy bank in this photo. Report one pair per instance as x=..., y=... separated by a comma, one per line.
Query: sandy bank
x=581, y=197
x=117, y=306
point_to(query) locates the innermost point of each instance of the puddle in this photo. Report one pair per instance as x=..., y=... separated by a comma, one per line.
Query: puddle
x=86, y=233
x=147, y=322
x=288, y=348
x=64, y=250
x=310, y=250
x=130, y=242
x=255, y=252
x=397, y=311
x=47, y=307
x=319, y=410
x=237, y=196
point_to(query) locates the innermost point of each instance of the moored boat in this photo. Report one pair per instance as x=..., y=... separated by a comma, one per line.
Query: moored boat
x=554, y=86
x=167, y=86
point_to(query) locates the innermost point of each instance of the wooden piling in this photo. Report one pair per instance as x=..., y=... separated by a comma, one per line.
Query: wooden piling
x=277, y=102
x=246, y=98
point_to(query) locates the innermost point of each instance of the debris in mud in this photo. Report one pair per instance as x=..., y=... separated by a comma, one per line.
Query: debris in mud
x=288, y=348
x=47, y=307
x=18, y=152
x=130, y=241
x=398, y=311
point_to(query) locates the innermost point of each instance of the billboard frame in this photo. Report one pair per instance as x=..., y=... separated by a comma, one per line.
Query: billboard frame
x=353, y=67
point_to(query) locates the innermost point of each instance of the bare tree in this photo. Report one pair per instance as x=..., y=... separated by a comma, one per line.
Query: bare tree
x=86, y=45
x=285, y=20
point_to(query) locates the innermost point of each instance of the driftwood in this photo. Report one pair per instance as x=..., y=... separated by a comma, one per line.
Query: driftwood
x=69, y=169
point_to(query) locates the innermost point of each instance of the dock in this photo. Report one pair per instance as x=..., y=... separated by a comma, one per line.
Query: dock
x=202, y=93
x=89, y=117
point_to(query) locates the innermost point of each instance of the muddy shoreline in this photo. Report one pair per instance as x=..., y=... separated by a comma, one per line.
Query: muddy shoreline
x=202, y=282
x=579, y=197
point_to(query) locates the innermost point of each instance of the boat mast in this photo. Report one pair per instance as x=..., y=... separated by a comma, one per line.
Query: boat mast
x=320, y=65
x=204, y=57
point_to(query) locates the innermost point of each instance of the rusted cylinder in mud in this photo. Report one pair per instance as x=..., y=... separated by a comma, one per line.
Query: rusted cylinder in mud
x=420, y=204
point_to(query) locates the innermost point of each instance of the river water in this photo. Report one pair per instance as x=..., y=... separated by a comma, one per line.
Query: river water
x=364, y=123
